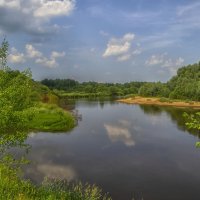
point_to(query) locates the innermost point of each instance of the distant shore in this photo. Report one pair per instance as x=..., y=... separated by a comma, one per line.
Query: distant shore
x=160, y=102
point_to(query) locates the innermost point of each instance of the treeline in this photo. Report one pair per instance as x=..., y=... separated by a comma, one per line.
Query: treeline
x=185, y=85
x=93, y=88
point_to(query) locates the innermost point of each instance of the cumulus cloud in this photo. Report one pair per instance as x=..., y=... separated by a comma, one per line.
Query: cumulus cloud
x=164, y=62
x=10, y=4
x=33, y=16
x=32, y=53
x=51, y=63
x=114, y=49
x=16, y=57
x=54, y=8
x=121, y=48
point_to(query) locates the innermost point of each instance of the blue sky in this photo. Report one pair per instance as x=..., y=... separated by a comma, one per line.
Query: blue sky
x=101, y=40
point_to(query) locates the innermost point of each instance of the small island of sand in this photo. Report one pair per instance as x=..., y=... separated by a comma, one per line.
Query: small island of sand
x=160, y=102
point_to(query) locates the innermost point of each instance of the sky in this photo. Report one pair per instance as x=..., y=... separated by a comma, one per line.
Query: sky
x=101, y=40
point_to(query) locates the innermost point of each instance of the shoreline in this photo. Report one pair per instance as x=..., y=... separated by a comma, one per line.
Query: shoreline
x=158, y=101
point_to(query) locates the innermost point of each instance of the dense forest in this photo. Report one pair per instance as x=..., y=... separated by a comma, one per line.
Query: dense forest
x=95, y=88
x=185, y=85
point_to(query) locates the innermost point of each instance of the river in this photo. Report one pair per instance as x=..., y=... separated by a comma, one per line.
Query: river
x=130, y=151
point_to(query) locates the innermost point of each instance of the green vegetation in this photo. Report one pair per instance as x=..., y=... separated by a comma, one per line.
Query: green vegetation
x=193, y=123
x=73, y=89
x=51, y=118
x=15, y=90
x=12, y=187
x=20, y=111
x=184, y=86
x=163, y=99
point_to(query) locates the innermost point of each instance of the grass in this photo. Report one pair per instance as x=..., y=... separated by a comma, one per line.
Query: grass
x=163, y=99
x=51, y=118
x=12, y=187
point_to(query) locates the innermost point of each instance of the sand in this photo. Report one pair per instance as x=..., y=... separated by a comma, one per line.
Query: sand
x=156, y=101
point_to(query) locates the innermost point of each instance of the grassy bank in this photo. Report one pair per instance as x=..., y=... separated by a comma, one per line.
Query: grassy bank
x=160, y=101
x=76, y=95
x=14, y=188
x=49, y=117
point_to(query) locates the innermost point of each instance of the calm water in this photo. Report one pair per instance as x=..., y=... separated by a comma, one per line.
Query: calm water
x=127, y=150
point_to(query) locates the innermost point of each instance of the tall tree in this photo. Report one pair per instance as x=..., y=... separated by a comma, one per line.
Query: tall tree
x=4, y=54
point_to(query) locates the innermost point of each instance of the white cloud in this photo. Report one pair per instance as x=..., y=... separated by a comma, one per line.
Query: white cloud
x=173, y=65
x=51, y=8
x=124, y=57
x=32, y=52
x=164, y=62
x=114, y=49
x=16, y=57
x=56, y=54
x=13, y=4
x=36, y=55
x=51, y=63
x=121, y=48
x=128, y=37
x=155, y=60
x=33, y=16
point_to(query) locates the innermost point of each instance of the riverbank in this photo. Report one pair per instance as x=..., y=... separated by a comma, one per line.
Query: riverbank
x=51, y=118
x=160, y=102
x=12, y=186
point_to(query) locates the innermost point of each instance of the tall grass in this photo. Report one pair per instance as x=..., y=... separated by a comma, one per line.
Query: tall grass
x=49, y=117
x=12, y=187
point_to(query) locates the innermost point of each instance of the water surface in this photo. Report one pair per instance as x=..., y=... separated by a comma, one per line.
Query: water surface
x=127, y=150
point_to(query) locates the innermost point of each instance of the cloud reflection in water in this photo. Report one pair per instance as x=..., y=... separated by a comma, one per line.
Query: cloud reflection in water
x=120, y=132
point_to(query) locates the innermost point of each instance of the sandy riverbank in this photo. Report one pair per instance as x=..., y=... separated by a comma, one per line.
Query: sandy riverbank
x=158, y=101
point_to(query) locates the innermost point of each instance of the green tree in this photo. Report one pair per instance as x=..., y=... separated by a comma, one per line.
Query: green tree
x=193, y=122
x=15, y=92
x=3, y=54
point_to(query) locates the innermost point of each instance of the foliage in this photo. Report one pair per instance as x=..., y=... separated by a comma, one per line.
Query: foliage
x=51, y=118
x=42, y=93
x=15, y=90
x=185, y=86
x=12, y=187
x=193, y=122
x=74, y=89
x=154, y=90
x=3, y=54
x=16, y=113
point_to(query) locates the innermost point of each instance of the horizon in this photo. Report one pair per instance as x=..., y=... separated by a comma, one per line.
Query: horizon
x=101, y=41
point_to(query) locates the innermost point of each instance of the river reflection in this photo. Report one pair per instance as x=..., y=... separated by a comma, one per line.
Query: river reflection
x=128, y=150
